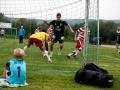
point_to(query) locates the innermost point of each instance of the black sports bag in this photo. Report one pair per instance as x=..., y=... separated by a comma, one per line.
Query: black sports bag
x=91, y=74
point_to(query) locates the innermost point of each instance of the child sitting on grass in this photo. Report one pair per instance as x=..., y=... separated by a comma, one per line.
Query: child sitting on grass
x=14, y=74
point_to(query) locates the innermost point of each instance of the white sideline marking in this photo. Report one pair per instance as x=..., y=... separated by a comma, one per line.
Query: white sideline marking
x=109, y=46
x=53, y=71
x=111, y=57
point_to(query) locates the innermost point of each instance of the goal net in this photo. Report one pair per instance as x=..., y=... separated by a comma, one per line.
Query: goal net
x=31, y=13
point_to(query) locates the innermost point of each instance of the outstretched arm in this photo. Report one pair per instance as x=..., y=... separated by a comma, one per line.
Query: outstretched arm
x=46, y=43
x=70, y=28
x=6, y=70
x=76, y=35
x=47, y=23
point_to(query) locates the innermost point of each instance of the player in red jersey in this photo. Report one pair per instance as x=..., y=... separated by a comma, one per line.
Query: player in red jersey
x=79, y=38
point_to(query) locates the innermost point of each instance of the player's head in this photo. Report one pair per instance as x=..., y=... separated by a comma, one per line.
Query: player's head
x=21, y=26
x=58, y=16
x=18, y=53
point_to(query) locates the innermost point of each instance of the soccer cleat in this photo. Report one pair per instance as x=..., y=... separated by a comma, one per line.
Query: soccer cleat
x=71, y=55
x=68, y=56
x=74, y=56
x=49, y=60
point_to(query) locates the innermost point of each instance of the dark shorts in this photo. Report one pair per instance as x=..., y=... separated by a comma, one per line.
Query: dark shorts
x=35, y=41
x=59, y=39
x=2, y=35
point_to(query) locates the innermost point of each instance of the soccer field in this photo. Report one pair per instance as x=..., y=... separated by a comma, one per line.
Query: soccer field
x=59, y=75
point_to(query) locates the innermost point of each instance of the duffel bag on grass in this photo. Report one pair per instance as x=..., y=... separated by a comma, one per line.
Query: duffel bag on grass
x=94, y=77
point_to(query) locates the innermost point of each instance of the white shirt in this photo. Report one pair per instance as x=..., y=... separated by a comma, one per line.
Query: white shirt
x=2, y=31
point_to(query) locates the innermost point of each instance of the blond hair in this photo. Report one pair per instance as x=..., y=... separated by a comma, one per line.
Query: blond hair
x=18, y=53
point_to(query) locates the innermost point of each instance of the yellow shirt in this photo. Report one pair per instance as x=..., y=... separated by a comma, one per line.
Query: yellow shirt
x=40, y=35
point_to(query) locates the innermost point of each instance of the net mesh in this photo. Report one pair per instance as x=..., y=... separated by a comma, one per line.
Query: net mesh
x=47, y=9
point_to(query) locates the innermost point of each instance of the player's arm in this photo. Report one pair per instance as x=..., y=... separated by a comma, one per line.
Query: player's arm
x=116, y=35
x=6, y=70
x=70, y=28
x=47, y=23
x=46, y=42
x=76, y=35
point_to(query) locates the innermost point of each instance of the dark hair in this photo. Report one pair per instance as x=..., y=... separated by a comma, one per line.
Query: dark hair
x=43, y=30
x=58, y=14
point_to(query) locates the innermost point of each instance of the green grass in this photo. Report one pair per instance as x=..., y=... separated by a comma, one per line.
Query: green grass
x=59, y=75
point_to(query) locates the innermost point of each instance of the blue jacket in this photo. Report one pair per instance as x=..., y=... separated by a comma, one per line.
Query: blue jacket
x=21, y=32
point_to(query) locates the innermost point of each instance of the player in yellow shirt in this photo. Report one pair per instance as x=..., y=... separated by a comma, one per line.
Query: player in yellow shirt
x=40, y=39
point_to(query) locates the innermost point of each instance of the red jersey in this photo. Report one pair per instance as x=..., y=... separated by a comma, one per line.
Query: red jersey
x=80, y=34
x=80, y=38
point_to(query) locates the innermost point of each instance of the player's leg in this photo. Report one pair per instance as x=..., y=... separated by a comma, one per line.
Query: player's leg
x=21, y=39
x=54, y=40
x=51, y=48
x=45, y=54
x=118, y=46
x=30, y=42
x=79, y=46
x=3, y=82
x=60, y=48
x=71, y=54
x=44, y=50
x=61, y=43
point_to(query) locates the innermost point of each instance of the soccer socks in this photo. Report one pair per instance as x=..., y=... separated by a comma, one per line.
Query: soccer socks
x=76, y=52
x=48, y=57
x=118, y=49
x=61, y=47
x=25, y=48
x=59, y=52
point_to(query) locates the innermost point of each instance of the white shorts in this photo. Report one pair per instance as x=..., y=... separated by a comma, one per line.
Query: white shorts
x=4, y=83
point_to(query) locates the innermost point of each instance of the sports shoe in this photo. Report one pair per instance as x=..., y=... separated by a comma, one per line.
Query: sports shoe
x=49, y=59
x=74, y=56
x=68, y=56
x=71, y=55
